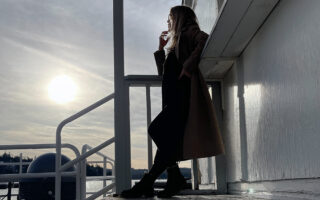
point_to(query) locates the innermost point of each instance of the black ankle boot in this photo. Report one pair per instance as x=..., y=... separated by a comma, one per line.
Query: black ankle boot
x=143, y=188
x=174, y=184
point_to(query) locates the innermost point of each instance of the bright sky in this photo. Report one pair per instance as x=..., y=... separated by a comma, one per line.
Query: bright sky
x=46, y=43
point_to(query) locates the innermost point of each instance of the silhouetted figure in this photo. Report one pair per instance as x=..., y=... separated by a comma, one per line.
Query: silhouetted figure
x=187, y=112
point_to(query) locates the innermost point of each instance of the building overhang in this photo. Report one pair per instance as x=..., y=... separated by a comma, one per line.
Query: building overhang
x=237, y=23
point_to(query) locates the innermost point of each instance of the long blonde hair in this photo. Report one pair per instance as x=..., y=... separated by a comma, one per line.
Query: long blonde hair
x=182, y=16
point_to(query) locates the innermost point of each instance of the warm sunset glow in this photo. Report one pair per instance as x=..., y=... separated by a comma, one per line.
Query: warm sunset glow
x=62, y=89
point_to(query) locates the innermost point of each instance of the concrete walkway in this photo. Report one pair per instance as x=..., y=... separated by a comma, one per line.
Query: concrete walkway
x=204, y=195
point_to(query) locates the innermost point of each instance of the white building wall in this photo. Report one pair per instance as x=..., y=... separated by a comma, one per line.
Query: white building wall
x=278, y=76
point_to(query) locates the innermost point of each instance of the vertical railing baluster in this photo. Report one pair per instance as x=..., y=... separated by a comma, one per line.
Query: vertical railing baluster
x=78, y=181
x=211, y=168
x=148, y=100
x=104, y=173
x=195, y=174
x=20, y=164
x=58, y=163
x=83, y=178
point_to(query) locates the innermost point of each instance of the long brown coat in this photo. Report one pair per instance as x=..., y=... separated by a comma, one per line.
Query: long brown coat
x=202, y=137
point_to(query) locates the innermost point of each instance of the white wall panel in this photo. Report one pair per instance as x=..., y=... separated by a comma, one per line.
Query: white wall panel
x=279, y=79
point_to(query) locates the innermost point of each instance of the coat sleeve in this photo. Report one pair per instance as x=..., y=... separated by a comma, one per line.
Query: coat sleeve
x=159, y=58
x=199, y=40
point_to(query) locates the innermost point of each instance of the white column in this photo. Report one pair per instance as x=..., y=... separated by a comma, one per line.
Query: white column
x=121, y=105
x=221, y=182
x=150, y=156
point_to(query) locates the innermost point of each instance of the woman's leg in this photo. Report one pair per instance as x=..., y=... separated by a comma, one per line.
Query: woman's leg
x=160, y=164
x=176, y=180
x=166, y=132
x=164, y=158
x=145, y=186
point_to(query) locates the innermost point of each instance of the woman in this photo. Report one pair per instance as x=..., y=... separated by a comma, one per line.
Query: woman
x=186, y=127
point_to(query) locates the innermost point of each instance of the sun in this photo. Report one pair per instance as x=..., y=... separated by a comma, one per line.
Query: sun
x=62, y=89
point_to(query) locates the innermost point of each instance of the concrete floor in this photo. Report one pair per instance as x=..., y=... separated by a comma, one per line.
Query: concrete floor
x=204, y=195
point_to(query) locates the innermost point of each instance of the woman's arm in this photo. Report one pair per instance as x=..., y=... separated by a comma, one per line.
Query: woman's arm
x=160, y=54
x=192, y=62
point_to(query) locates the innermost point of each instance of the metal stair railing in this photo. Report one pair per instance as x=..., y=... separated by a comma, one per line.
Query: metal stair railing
x=104, y=176
x=77, y=160
x=17, y=177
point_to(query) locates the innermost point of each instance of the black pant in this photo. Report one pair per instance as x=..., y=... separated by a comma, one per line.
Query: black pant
x=167, y=129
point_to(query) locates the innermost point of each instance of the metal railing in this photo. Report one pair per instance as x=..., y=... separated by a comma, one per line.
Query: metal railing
x=85, y=155
x=104, y=177
x=146, y=81
x=149, y=81
x=18, y=177
x=78, y=161
x=78, y=173
x=20, y=163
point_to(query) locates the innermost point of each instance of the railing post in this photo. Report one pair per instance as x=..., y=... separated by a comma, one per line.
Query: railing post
x=148, y=100
x=195, y=174
x=121, y=105
x=211, y=179
x=104, y=173
x=78, y=182
x=58, y=164
x=212, y=160
x=20, y=164
x=113, y=180
x=83, y=178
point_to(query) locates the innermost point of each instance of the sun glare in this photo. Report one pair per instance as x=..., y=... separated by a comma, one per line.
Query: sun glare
x=62, y=89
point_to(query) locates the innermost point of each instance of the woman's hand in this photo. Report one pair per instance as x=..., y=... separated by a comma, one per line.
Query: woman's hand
x=162, y=41
x=184, y=72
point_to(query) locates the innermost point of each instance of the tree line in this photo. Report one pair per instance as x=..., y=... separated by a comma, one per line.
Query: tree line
x=92, y=170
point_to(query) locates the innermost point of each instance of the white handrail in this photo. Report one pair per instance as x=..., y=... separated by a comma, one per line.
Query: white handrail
x=58, y=140
x=99, y=153
x=101, y=178
x=86, y=154
x=17, y=177
x=13, y=163
x=39, y=146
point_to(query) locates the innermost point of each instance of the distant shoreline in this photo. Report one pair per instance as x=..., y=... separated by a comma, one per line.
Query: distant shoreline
x=92, y=170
